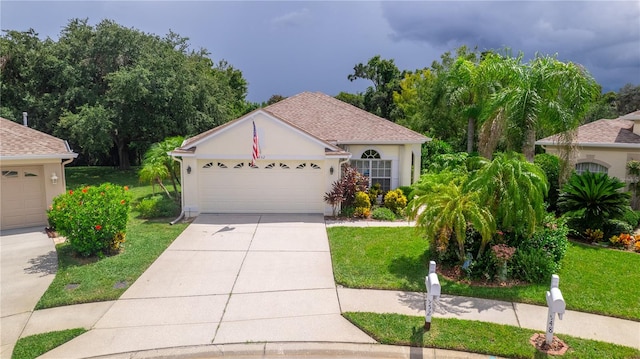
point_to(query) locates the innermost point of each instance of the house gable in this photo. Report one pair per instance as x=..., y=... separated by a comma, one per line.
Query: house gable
x=277, y=140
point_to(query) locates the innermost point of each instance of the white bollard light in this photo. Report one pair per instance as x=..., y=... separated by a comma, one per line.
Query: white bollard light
x=433, y=294
x=556, y=305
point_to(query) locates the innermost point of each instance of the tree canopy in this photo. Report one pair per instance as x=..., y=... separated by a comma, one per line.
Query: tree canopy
x=111, y=89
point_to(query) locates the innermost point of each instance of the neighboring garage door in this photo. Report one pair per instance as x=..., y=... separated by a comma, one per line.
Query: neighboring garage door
x=270, y=187
x=23, y=197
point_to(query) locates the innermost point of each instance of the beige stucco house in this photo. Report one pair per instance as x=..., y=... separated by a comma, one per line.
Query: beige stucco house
x=604, y=145
x=302, y=143
x=32, y=166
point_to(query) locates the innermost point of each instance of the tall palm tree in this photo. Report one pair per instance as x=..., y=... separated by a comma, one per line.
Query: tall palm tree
x=514, y=190
x=543, y=95
x=157, y=156
x=447, y=210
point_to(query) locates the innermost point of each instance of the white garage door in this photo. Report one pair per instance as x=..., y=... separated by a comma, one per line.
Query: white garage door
x=23, y=198
x=270, y=187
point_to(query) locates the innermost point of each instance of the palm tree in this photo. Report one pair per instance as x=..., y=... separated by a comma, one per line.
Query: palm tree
x=594, y=197
x=447, y=210
x=545, y=94
x=514, y=191
x=157, y=165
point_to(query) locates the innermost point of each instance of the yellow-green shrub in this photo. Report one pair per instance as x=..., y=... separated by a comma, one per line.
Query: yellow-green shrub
x=395, y=200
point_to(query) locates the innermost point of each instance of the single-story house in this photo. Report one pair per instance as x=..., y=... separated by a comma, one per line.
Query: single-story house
x=299, y=145
x=604, y=145
x=32, y=165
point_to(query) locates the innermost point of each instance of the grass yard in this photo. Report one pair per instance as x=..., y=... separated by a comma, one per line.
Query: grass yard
x=594, y=280
x=476, y=337
x=80, y=280
x=35, y=345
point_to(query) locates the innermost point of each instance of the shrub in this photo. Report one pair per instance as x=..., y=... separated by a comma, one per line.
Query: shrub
x=593, y=235
x=532, y=265
x=406, y=191
x=347, y=211
x=551, y=237
x=614, y=226
x=395, y=201
x=362, y=212
x=157, y=206
x=94, y=219
x=383, y=214
x=624, y=240
x=343, y=191
x=594, y=197
x=362, y=205
x=632, y=217
x=374, y=192
x=550, y=165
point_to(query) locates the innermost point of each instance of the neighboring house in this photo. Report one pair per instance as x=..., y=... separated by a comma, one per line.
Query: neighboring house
x=303, y=142
x=604, y=145
x=32, y=165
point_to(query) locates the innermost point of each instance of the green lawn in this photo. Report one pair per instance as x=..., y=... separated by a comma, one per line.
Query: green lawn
x=106, y=279
x=35, y=345
x=594, y=280
x=476, y=337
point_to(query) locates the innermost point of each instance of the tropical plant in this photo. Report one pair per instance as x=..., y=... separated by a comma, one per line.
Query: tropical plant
x=395, y=200
x=513, y=190
x=383, y=214
x=446, y=211
x=335, y=196
x=550, y=165
x=157, y=165
x=352, y=182
x=362, y=205
x=593, y=198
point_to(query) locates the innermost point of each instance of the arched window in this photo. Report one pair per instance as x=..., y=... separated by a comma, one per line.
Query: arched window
x=376, y=169
x=591, y=167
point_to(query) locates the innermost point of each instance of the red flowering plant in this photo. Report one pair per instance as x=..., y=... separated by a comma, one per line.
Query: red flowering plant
x=94, y=219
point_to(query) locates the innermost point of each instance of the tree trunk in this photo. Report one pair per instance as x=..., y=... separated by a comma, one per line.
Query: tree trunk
x=123, y=154
x=164, y=188
x=471, y=127
x=529, y=146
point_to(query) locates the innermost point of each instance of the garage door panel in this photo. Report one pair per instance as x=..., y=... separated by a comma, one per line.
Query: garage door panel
x=280, y=189
x=23, y=199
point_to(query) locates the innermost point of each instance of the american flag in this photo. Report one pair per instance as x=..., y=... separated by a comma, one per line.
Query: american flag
x=256, y=146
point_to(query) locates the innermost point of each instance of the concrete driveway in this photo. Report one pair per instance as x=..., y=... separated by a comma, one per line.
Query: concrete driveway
x=28, y=263
x=228, y=279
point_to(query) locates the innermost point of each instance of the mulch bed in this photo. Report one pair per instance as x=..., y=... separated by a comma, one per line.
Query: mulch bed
x=557, y=347
x=456, y=274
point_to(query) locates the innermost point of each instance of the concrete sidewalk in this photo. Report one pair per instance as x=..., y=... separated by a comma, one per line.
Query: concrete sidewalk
x=577, y=324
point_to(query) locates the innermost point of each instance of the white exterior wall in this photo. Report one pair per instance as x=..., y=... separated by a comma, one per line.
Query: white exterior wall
x=400, y=156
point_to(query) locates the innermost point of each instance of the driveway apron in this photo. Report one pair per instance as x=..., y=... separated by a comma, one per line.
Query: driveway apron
x=28, y=263
x=228, y=279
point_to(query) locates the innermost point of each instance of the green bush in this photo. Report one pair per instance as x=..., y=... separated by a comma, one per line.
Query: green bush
x=383, y=214
x=395, y=200
x=406, y=191
x=533, y=265
x=94, y=219
x=614, y=227
x=347, y=211
x=157, y=206
x=551, y=237
x=550, y=165
x=632, y=217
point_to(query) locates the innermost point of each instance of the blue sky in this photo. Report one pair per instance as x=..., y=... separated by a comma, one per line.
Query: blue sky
x=287, y=47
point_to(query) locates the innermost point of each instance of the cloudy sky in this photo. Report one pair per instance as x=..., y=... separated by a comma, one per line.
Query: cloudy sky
x=287, y=47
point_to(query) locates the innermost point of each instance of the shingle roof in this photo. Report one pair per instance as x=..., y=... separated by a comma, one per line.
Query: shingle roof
x=603, y=132
x=338, y=122
x=17, y=140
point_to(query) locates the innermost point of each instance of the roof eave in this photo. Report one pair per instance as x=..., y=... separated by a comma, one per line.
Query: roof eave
x=593, y=144
x=61, y=156
x=373, y=142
